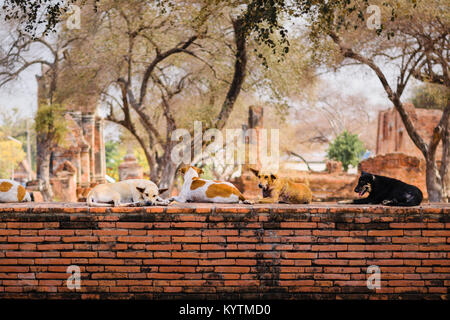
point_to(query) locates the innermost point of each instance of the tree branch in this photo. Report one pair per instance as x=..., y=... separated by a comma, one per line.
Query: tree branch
x=393, y=96
x=239, y=74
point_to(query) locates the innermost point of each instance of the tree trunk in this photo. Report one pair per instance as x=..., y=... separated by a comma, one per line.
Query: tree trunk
x=43, y=170
x=433, y=180
x=240, y=65
x=168, y=177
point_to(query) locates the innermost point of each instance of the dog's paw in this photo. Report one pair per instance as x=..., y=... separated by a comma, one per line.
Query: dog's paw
x=144, y=204
x=136, y=204
x=345, y=202
x=164, y=202
x=248, y=202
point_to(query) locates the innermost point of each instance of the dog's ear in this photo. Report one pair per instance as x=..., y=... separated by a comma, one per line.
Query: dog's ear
x=273, y=176
x=255, y=172
x=141, y=190
x=163, y=190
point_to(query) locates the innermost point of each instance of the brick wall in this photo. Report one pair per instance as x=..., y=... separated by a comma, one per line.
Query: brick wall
x=319, y=252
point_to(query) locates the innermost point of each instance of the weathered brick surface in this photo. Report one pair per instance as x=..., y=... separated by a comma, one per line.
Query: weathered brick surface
x=225, y=251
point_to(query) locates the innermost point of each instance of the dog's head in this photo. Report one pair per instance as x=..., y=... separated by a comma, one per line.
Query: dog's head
x=194, y=170
x=365, y=183
x=150, y=192
x=265, y=179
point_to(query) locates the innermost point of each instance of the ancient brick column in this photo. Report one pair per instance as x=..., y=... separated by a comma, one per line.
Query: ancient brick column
x=85, y=173
x=88, y=126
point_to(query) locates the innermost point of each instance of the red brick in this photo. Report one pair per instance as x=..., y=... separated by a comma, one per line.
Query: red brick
x=299, y=255
x=25, y=239
x=387, y=233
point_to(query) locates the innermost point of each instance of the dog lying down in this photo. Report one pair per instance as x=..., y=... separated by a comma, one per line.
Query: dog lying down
x=133, y=192
x=282, y=190
x=386, y=191
x=195, y=189
x=12, y=191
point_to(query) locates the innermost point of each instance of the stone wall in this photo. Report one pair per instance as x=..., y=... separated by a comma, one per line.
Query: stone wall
x=225, y=251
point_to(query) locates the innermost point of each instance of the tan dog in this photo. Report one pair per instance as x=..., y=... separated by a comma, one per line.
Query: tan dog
x=126, y=193
x=282, y=190
x=200, y=190
x=12, y=191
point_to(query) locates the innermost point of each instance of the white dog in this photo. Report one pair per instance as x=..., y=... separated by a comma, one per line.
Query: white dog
x=12, y=191
x=126, y=193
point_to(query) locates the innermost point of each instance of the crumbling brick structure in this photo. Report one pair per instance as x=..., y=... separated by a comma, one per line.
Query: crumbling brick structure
x=79, y=162
x=130, y=167
x=83, y=152
x=392, y=135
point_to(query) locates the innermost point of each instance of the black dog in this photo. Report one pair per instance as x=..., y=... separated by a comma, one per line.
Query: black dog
x=387, y=191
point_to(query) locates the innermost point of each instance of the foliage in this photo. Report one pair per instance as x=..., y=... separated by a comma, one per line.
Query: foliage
x=50, y=122
x=11, y=154
x=431, y=96
x=346, y=148
x=32, y=14
x=112, y=159
x=13, y=124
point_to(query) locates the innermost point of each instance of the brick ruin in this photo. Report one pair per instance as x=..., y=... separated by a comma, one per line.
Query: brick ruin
x=79, y=162
x=392, y=136
x=130, y=168
x=396, y=154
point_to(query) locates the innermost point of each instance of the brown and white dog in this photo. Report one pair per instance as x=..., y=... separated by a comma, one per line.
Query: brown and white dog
x=277, y=189
x=12, y=191
x=126, y=193
x=195, y=189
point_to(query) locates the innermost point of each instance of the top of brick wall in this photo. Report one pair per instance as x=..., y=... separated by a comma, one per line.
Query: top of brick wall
x=223, y=208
